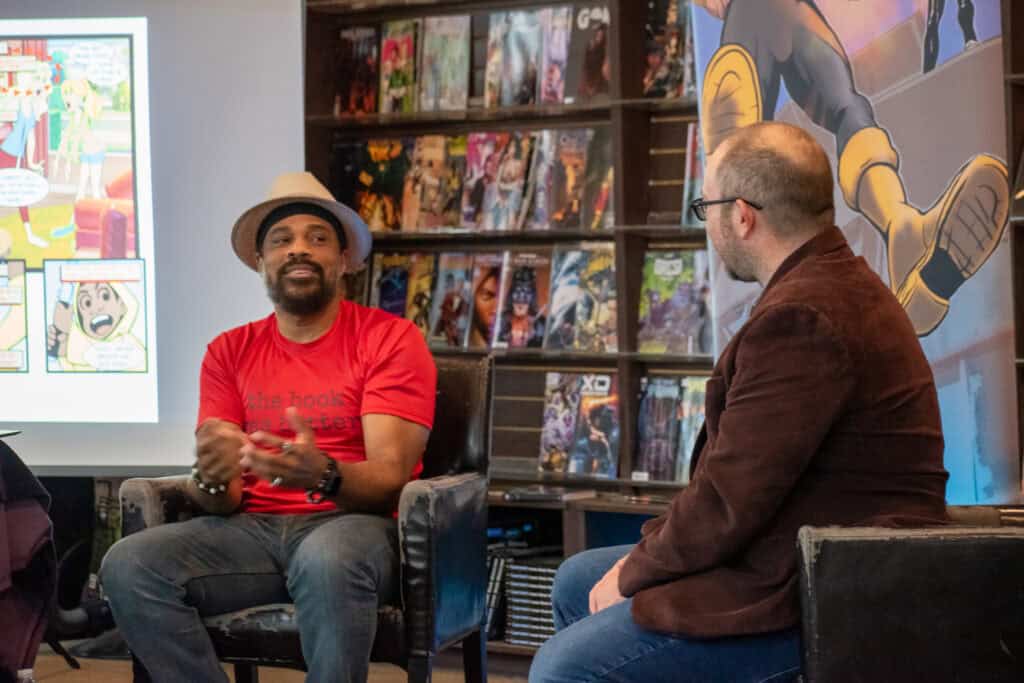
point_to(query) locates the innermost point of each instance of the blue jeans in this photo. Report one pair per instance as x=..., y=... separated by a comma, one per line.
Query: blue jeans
x=608, y=646
x=336, y=568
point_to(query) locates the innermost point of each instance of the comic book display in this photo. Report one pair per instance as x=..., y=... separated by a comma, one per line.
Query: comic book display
x=487, y=275
x=669, y=50
x=588, y=74
x=674, y=316
x=557, y=175
x=524, y=300
x=496, y=169
x=398, y=52
x=449, y=318
x=356, y=69
x=381, y=183
x=556, y=24
x=444, y=63
x=390, y=288
x=657, y=429
x=561, y=410
x=583, y=299
x=691, y=419
x=513, y=55
x=595, y=450
x=422, y=269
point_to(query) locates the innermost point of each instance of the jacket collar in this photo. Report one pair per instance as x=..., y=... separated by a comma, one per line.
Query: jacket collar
x=828, y=240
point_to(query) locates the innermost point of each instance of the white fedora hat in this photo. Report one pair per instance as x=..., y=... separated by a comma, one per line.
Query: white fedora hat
x=291, y=188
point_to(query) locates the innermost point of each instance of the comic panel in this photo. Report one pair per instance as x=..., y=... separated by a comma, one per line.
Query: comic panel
x=95, y=316
x=13, y=318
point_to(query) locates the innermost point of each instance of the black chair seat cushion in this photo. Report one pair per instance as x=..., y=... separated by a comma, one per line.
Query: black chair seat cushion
x=269, y=635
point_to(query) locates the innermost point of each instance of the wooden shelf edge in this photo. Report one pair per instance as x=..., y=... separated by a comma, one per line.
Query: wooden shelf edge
x=502, y=648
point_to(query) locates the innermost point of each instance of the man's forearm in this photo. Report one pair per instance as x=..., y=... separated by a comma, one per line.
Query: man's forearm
x=220, y=504
x=369, y=487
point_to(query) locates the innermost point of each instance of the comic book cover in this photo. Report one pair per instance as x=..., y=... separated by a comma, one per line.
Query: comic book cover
x=595, y=450
x=503, y=199
x=597, y=210
x=690, y=419
x=390, y=283
x=422, y=269
x=346, y=161
x=673, y=316
x=588, y=74
x=556, y=27
x=524, y=300
x=356, y=70
x=583, y=300
x=557, y=175
x=398, y=66
x=449, y=317
x=424, y=184
x=693, y=178
x=487, y=274
x=444, y=63
x=381, y=181
x=657, y=429
x=450, y=199
x=484, y=152
x=561, y=410
x=513, y=55
x=665, y=49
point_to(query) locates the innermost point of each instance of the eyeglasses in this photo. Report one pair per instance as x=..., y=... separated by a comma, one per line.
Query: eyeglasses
x=699, y=205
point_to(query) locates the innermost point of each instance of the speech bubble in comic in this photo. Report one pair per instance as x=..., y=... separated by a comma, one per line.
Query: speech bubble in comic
x=21, y=187
x=101, y=62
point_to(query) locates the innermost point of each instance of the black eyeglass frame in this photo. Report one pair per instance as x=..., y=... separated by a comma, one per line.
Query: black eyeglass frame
x=699, y=205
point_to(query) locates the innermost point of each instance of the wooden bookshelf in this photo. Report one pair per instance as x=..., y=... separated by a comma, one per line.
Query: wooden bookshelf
x=648, y=151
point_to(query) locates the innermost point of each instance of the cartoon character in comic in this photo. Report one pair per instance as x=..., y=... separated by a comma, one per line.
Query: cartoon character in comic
x=598, y=430
x=964, y=17
x=12, y=320
x=92, y=329
x=522, y=324
x=84, y=108
x=596, y=321
x=559, y=424
x=454, y=310
x=931, y=253
x=18, y=147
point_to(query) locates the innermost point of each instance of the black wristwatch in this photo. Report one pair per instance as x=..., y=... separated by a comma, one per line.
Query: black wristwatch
x=329, y=484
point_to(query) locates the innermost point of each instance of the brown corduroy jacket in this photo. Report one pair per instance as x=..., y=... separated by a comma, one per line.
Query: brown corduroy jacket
x=822, y=410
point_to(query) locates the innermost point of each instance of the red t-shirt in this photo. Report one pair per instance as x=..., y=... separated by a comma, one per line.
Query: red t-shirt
x=368, y=362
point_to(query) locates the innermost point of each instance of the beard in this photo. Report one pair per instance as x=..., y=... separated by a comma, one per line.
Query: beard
x=314, y=296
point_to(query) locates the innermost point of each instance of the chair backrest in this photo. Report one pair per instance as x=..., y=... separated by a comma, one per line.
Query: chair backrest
x=939, y=604
x=458, y=441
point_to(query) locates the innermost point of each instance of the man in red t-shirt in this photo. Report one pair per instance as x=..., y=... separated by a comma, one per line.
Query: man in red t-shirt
x=310, y=423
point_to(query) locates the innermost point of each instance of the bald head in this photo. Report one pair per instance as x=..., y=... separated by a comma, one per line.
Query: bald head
x=782, y=168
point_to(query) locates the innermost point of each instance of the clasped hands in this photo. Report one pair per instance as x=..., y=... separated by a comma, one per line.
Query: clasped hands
x=224, y=452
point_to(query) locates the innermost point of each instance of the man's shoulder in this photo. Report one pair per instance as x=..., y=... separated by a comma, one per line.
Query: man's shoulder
x=241, y=336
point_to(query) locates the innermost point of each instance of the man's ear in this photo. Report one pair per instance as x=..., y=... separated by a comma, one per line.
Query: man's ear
x=259, y=265
x=744, y=219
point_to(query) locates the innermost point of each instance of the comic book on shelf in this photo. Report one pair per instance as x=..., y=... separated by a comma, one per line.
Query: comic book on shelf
x=667, y=60
x=588, y=74
x=390, y=282
x=444, y=63
x=356, y=70
x=558, y=430
x=556, y=27
x=449, y=319
x=422, y=269
x=691, y=419
x=557, y=173
x=524, y=300
x=598, y=211
x=657, y=429
x=432, y=193
x=514, y=51
x=595, y=450
x=674, y=316
x=380, y=182
x=487, y=275
x=346, y=160
x=497, y=165
x=583, y=299
x=398, y=51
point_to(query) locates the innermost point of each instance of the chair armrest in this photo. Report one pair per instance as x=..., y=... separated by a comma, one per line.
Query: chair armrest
x=147, y=503
x=442, y=524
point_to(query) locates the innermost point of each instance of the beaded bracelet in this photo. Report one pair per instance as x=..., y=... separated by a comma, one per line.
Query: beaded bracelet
x=212, y=489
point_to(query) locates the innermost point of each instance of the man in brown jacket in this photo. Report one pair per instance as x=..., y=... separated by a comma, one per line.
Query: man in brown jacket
x=822, y=410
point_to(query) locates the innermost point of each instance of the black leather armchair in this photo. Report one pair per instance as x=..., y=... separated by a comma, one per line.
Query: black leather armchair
x=442, y=522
